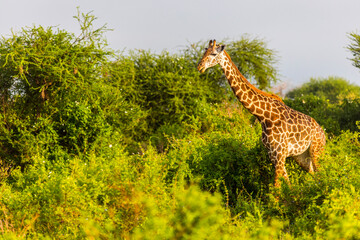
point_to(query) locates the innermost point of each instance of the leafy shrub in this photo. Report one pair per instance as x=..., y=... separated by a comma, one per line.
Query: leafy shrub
x=191, y=214
x=341, y=211
x=168, y=87
x=349, y=114
x=76, y=198
x=79, y=125
x=333, y=89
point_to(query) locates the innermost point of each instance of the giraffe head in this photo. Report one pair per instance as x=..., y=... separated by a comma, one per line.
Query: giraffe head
x=211, y=56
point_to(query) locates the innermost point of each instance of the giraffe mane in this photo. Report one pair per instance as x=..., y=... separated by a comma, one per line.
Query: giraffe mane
x=271, y=95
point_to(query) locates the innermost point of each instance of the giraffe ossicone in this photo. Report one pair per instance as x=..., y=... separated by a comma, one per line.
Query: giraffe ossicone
x=285, y=131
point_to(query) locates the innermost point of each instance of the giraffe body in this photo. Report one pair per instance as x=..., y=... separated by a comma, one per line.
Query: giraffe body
x=285, y=131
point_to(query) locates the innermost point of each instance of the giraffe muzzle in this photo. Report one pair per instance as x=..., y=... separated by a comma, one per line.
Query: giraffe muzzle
x=201, y=69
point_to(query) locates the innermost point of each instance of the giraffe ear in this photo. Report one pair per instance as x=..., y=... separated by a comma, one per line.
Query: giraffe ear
x=221, y=48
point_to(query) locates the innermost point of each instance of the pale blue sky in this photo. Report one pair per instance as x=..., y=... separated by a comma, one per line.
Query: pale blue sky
x=310, y=36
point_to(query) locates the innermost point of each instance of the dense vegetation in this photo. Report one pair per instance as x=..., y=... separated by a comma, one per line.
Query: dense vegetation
x=101, y=145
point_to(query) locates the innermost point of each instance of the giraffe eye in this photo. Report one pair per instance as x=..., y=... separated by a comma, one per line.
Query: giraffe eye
x=213, y=54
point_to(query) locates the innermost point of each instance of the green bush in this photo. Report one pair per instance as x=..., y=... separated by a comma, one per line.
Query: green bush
x=168, y=87
x=333, y=89
x=75, y=198
x=190, y=214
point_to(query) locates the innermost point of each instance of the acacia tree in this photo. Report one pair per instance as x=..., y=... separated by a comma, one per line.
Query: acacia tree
x=354, y=47
x=45, y=64
x=56, y=93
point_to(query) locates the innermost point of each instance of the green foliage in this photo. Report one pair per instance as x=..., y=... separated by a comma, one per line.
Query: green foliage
x=57, y=86
x=349, y=115
x=65, y=199
x=334, y=89
x=79, y=125
x=190, y=214
x=168, y=87
x=354, y=47
x=42, y=65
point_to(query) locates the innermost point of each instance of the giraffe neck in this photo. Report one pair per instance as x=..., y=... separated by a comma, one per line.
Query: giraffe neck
x=253, y=99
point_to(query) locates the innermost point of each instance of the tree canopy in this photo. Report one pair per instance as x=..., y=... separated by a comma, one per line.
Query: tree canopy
x=333, y=89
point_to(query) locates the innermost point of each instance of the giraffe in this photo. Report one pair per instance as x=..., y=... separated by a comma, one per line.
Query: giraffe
x=285, y=131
